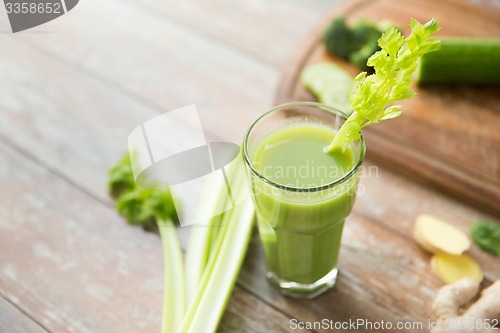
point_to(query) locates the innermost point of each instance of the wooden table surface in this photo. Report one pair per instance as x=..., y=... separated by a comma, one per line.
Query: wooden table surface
x=70, y=93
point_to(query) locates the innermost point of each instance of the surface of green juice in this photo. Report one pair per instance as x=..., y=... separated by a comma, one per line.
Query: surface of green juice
x=301, y=230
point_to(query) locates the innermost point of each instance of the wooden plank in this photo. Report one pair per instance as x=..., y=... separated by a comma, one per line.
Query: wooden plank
x=382, y=277
x=14, y=321
x=65, y=115
x=51, y=136
x=157, y=61
x=446, y=135
x=100, y=140
x=396, y=202
x=57, y=261
x=359, y=258
x=266, y=29
x=53, y=261
x=356, y=263
x=248, y=314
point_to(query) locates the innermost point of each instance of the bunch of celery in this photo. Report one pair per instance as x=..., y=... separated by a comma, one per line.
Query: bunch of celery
x=193, y=302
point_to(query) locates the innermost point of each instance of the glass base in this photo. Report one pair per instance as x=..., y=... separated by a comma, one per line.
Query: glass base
x=302, y=290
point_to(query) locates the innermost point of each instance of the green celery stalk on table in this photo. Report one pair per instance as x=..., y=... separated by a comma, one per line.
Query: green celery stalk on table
x=195, y=296
x=150, y=205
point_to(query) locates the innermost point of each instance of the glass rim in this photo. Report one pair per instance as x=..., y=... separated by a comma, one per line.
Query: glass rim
x=319, y=106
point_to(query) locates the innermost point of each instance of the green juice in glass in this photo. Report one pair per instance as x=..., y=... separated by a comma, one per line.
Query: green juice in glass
x=302, y=197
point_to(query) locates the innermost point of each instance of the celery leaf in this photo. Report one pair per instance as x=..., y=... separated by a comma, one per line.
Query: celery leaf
x=394, y=65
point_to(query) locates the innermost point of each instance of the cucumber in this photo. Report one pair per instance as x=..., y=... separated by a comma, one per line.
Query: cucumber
x=462, y=60
x=330, y=84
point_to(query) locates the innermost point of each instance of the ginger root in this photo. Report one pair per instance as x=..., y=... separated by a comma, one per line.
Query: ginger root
x=480, y=317
x=451, y=268
x=437, y=236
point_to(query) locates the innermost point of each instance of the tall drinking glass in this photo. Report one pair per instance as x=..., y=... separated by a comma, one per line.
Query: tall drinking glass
x=302, y=194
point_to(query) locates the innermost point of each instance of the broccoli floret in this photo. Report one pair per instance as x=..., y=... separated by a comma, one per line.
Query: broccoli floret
x=338, y=39
x=356, y=43
x=363, y=31
x=366, y=35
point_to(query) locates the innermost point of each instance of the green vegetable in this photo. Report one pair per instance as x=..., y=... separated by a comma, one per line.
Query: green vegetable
x=366, y=35
x=203, y=236
x=329, y=83
x=356, y=43
x=487, y=236
x=462, y=60
x=394, y=64
x=146, y=205
x=338, y=40
x=225, y=260
x=121, y=177
x=174, y=300
x=215, y=252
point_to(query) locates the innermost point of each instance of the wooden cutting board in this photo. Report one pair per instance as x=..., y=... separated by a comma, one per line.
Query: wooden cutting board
x=448, y=136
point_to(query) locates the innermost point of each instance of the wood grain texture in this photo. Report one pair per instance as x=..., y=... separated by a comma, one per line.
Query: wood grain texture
x=67, y=103
x=382, y=277
x=268, y=30
x=447, y=136
x=395, y=202
x=57, y=264
x=388, y=210
x=63, y=113
x=14, y=321
x=158, y=63
x=248, y=314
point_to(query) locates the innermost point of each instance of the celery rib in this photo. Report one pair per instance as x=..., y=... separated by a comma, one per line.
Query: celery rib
x=174, y=298
x=221, y=271
x=202, y=237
